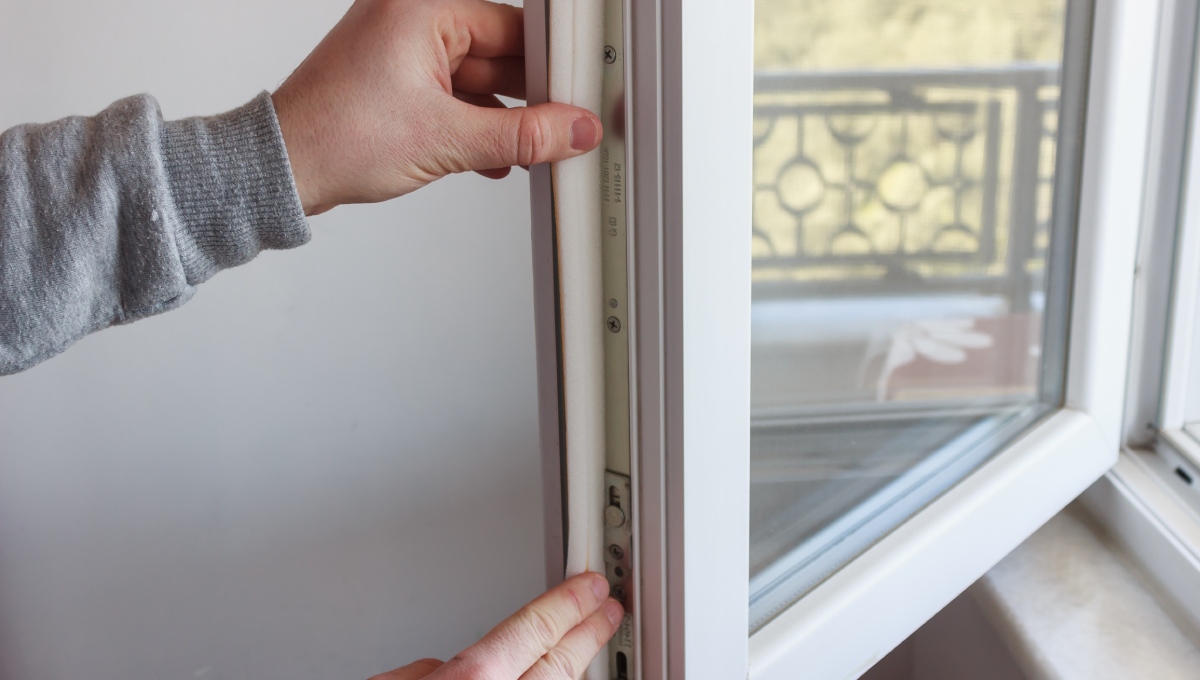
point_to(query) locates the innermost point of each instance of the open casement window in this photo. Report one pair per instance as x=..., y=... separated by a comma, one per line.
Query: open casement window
x=865, y=293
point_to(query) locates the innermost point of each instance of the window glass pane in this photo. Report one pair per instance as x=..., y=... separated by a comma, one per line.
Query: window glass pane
x=915, y=175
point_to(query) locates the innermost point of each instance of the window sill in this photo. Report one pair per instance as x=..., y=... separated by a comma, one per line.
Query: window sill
x=1069, y=604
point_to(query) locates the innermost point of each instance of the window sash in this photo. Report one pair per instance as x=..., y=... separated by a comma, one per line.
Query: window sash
x=932, y=557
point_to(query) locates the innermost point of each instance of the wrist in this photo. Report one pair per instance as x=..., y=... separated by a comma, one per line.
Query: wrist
x=298, y=144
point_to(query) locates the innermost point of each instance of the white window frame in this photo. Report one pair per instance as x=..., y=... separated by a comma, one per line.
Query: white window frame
x=690, y=70
x=1167, y=152
x=1144, y=503
x=1175, y=239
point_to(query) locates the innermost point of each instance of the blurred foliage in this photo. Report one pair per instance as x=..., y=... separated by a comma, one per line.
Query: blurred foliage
x=875, y=34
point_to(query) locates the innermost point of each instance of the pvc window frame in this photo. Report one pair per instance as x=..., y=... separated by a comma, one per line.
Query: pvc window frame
x=1150, y=501
x=689, y=108
x=1156, y=396
x=1172, y=406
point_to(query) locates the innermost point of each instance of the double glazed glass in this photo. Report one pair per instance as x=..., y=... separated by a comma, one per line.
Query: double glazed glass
x=915, y=178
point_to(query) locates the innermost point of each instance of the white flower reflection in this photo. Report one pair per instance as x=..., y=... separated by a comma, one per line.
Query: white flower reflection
x=943, y=341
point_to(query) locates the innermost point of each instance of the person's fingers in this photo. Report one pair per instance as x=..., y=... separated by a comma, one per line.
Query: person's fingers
x=577, y=648
x=503, y=76
x=515, y=645
x=483, y=29
x=413, y=671
x=484, y=138
x=491, y=102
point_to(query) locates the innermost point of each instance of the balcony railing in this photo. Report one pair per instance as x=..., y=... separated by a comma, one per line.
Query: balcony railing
x=880, y=182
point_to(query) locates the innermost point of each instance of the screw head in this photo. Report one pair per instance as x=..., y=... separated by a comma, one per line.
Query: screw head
x=615, y=552
x=618, y=593
x=613, y=516
x=614, y=324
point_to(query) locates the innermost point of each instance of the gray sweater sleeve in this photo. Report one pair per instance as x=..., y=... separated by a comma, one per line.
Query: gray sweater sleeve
x=108, y=219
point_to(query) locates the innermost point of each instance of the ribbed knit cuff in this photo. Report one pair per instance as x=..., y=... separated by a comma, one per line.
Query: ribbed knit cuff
x=232, y=187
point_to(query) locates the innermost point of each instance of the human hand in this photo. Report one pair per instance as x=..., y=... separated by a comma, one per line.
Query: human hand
x=403, y=92
x=554, y=637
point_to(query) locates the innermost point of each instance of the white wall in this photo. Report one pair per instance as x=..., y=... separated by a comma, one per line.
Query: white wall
x=325, y=465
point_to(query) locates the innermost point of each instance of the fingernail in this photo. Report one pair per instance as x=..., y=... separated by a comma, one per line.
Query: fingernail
x=614, y=612
x=600, y=586
x=584, y=132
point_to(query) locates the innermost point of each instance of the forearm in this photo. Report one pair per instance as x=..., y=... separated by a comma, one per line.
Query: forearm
x=108, y=219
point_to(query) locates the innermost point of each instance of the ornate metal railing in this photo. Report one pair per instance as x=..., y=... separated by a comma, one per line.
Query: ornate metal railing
x=894, y=181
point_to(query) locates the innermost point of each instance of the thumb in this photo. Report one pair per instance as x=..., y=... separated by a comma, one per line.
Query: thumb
x=490, y=138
